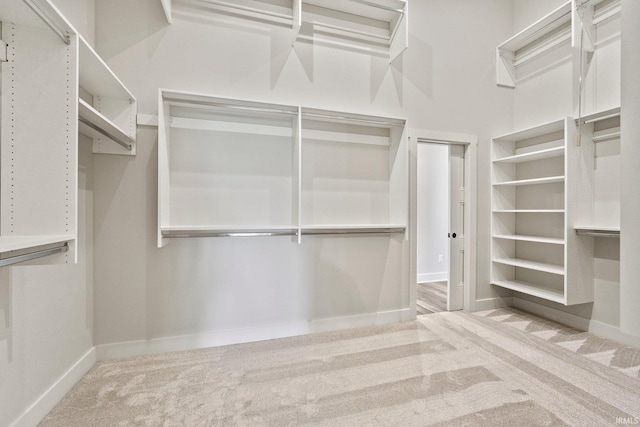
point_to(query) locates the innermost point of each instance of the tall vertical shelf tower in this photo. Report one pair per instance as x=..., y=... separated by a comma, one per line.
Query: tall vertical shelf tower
x=537, y=198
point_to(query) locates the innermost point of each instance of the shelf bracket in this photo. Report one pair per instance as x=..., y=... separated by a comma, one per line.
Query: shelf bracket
x=33, y=255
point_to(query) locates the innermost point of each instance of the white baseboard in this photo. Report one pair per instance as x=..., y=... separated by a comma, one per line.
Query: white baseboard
x=492, y=303
x=54, y=394
x=244, y=335
x=595, y=327
x=433, y=277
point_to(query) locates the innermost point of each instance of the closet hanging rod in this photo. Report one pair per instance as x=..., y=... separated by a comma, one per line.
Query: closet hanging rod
x=248, y=9
x=105, y=133
x=354, y=119
x=598, y=119
x=33, y=255
x=226, y=233
x=182, y=102
x=59, y=32
x=380, y=6
x=347, y=231
x=598, y=233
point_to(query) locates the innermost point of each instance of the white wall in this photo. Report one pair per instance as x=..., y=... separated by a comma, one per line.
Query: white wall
x=443, y=82
x=433, y=212
x=630, y=153
x=46, y=311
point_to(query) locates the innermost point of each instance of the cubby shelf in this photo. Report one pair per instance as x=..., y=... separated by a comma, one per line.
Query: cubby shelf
x=532, y=181
x=271, y=169
x=537, y=197
x=372, y=25
x=524, y=238
x=535, y=290
x=107, y=110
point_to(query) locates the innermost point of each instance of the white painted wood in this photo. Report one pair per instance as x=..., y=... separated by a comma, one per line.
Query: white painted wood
x=167, y=6
x=455, y=285
x=15, y=243
x=523, y=238
x=113, y=107
x=535, y=290
x=533, y=181
x=532, y=265
x=400, y=34
x=531, y=156
x=39, y=179
x=3, y=50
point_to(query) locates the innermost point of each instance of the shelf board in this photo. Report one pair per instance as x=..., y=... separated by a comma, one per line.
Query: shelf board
x=532, y=265
x=598, y=231
x=15, y=243
x=532, y=132
x=534, y=181
x=97, y=78
x=560, y=211
x=600, y=115
x=536, y=239
x=93, y=124
x=531, y=289
x=535, y=155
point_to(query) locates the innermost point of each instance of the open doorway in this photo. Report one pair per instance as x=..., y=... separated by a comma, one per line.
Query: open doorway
x=443, y=202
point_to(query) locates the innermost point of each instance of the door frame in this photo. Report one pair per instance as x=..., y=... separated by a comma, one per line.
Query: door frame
x=417, y=136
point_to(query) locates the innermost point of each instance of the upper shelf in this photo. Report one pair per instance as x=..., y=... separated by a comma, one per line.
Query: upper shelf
x=567, y=22
x=373, y=25
x=110, y=112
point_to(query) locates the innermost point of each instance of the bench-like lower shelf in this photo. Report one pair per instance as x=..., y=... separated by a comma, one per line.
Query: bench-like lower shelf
x=531, y=289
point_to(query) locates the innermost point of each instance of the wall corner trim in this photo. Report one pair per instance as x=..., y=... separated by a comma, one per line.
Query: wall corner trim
x=54, y=394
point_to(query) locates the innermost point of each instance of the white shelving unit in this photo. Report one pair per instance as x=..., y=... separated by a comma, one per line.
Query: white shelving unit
x=43, y=109
x=106, y=108
x=377, y=26
x=354, y=172
x=575, y=22
x=242, y=168
x=537, y=198
x=38, y=143
x=226, y=167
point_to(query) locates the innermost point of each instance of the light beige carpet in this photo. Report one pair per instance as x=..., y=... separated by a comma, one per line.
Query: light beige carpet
x=443, y=369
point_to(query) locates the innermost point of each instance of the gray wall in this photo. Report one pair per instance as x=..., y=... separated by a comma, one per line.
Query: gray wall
x=442, y=82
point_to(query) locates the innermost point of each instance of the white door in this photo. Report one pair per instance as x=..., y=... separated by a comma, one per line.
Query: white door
x=455, y=300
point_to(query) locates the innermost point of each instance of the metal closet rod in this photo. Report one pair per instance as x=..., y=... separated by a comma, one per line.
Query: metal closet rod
x=259, y=233
x=105, y=133
x=353, y=119
x=247, y=9
x=59, y=32
x=188, y=102
x=33, y=255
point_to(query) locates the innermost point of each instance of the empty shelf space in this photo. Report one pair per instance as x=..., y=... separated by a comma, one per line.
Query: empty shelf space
x=531, y=265
x=536, y=239
x=529, y=157
x=16, y=243
x=96, y=125
x=97, y=78
x=531, y=289
x=598, y=231
x=533, y=181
